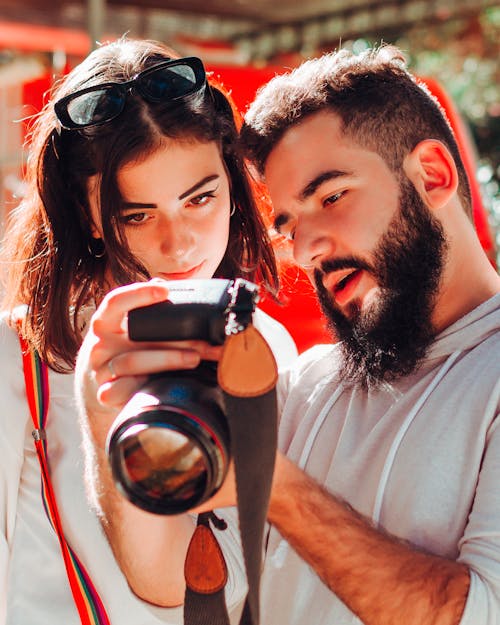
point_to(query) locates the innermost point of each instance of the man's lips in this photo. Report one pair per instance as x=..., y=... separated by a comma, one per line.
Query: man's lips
x=342, y=284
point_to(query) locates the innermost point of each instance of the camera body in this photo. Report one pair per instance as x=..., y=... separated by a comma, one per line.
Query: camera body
x=169, y=448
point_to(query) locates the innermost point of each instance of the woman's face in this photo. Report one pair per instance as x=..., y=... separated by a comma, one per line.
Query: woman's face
x=175, y=213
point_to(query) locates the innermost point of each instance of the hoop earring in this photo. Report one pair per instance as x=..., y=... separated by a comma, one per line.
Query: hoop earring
x=233, y=208
x=96, y=248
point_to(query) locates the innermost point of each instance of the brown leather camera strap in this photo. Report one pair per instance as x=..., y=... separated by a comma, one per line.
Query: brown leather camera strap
x=247, y=375
x=206, y=576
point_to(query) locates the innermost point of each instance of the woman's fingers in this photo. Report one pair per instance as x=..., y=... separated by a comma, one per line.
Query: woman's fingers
x=112, y=312
x=144, y=362
x=118, y=366
x=116, y=393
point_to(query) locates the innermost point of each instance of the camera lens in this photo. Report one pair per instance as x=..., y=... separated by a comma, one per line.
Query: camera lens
x=173, y=453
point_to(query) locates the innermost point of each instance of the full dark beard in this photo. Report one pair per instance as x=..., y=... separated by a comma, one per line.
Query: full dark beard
x=391, y=338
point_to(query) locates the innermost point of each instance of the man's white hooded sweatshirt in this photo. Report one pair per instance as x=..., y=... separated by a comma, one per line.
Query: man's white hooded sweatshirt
x=421, y=459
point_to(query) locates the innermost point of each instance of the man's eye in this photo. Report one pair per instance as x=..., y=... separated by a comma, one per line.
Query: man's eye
x=282, y=225
x=287, y=233
x=333, y=198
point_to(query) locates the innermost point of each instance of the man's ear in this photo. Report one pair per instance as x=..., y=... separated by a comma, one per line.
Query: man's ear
x=431, y=168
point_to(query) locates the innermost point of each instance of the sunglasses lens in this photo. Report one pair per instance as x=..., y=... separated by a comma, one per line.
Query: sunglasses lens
x=95, y=107
x=170, y=83
x=167, y=81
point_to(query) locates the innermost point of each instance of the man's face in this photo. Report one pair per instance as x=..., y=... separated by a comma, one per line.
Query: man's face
x=369, y=244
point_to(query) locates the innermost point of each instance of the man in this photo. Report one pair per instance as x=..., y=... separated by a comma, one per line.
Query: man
x=385, y=507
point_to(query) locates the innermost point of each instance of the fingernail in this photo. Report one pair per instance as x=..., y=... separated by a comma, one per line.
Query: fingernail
x=160, y=288
x=190, y=359
x=212, y=352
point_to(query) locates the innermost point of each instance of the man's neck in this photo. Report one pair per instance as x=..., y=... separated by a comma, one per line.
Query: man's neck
x=469, y=279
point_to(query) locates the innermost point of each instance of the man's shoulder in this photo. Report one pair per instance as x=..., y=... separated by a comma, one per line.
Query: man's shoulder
x=279, y=339
x=319, y=361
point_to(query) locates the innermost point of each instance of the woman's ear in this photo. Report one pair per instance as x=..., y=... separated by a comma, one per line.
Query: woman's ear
x=431, y=168
x=93, y=199
x=95, y=231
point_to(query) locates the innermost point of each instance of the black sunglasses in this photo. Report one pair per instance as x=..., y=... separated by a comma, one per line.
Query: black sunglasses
x=167, y=81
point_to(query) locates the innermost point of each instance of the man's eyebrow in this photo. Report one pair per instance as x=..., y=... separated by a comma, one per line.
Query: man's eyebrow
x=198, y=185
x=316, y=182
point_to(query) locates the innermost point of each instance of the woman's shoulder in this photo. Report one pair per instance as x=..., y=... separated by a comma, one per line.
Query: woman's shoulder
x=9, y=341
x=14, y=414
x=11, y=367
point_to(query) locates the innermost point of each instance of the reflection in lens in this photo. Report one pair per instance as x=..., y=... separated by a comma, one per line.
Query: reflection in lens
x=163, y=463
x=95, y=106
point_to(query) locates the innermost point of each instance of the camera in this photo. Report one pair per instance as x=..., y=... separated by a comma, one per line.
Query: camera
x=169, y=448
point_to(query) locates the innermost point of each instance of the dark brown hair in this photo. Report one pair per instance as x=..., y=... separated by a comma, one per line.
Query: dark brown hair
x=48, y=264
x=381, y=105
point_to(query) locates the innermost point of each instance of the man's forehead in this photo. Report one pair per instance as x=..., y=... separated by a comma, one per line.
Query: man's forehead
x=325, y=121
x=308, y=154
x=305, y=143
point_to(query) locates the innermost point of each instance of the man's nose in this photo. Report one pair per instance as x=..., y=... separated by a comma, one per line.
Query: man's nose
x=312, y=243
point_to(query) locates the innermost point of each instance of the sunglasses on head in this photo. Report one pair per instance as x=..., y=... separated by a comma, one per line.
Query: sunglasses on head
x=168, y=81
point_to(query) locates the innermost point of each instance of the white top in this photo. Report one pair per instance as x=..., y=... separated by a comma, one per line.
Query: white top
x=422, y=459
x=34, y=589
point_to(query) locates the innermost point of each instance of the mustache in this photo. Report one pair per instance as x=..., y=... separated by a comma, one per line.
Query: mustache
x=330, y=265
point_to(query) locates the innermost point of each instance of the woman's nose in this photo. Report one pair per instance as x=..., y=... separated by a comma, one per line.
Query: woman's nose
x=176, y=240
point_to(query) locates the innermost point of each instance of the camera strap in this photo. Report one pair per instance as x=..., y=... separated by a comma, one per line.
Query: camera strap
x=247, y=374
x=36, y=376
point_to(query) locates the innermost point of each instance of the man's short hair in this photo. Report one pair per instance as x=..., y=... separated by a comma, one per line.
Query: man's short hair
x=382, y=107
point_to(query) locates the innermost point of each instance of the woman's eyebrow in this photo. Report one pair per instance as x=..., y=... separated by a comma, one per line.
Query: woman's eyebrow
x=198, y=185
x=127, y=205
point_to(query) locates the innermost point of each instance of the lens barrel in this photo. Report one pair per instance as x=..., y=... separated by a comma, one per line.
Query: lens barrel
x=169, y=450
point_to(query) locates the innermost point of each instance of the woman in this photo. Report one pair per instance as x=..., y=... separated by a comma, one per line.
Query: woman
x=133, y=174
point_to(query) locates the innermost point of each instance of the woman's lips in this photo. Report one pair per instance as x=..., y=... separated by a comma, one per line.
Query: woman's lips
x=180, y=275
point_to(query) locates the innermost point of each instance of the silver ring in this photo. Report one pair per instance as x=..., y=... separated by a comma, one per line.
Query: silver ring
x=111, y=369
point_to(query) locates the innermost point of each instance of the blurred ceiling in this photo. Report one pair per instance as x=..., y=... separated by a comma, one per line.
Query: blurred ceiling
x=241, y=30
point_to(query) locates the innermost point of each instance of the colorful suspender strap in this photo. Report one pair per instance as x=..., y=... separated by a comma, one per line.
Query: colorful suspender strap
x=88, y=602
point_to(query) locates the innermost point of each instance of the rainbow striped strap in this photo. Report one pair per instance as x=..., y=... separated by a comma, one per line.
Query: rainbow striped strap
x=88, y=603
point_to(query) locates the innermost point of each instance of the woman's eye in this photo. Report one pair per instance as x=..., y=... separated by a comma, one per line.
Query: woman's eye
x=201, y=200
x=134, y=218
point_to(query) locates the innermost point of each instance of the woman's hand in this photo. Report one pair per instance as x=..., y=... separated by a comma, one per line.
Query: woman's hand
x=111, y=367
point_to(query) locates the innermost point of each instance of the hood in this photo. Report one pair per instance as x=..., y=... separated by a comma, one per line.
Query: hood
x=469, y=330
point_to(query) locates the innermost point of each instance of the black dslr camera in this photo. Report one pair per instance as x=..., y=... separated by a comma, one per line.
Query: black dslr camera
x=169, y=448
